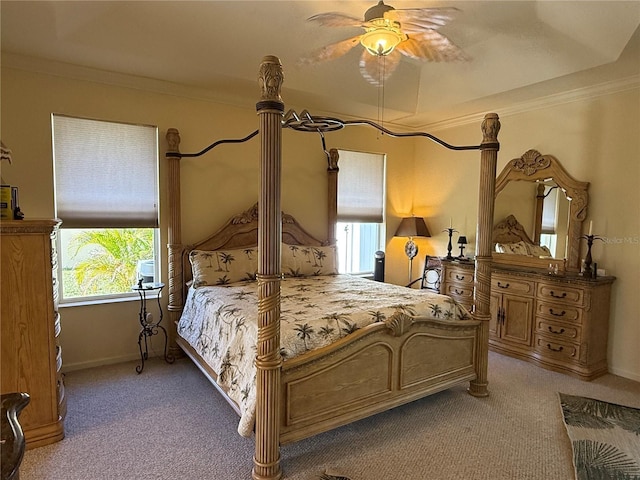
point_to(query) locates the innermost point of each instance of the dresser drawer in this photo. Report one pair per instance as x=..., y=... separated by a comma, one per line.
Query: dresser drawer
x=459, y=276
x=557, y=292
x=557, y=348
x=501, y=284
x=558, y=331
x=460, y=292
x=555, y=311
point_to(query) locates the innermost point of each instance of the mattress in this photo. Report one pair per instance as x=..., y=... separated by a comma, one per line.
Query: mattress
x=220, y=323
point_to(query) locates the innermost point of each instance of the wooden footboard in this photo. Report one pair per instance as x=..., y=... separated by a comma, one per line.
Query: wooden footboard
x=372, y=370
x=375, y=369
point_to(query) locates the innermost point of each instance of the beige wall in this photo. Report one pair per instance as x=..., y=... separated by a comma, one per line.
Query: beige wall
x=597, y=141
x=214, y=187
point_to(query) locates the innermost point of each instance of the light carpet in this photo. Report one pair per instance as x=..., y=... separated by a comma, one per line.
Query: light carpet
x=605, y=438
x=170, y=423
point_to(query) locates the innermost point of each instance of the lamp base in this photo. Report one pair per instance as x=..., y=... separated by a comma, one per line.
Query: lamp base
x=411, y=249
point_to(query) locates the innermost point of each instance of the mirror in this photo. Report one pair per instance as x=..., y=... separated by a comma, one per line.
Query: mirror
x=544, y=206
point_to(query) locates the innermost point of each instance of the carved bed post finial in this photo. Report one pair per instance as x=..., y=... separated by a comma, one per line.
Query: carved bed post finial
x=173, y=140
x=174, y=238
x=270, y=78
x=482, y=280
x=490, y=128
x=266, y=462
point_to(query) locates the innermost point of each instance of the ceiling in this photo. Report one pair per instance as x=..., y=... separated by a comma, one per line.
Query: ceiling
x=520, y=51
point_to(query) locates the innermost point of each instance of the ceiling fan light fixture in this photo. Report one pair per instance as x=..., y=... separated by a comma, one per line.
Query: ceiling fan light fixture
x=381, y=38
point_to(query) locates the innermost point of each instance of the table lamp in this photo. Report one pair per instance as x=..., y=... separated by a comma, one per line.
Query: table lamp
x=462, y=241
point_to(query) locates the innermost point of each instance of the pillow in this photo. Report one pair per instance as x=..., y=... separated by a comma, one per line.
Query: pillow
x=539, y=251
x=221, y=267
x=519, y=248
x=306, y=261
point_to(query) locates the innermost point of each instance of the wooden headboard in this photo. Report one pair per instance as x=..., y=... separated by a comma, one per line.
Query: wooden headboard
x=241, y=231
x=510, y=230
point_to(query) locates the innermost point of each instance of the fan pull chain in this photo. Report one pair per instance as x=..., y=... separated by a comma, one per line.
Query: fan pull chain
x=381, y=75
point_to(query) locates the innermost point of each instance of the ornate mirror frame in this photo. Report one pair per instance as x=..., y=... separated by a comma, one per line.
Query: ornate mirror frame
x=533, y=166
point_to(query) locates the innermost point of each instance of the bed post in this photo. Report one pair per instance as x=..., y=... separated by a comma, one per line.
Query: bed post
x=332, y=178
x=482, y=281
x=270, y=108
x=174, y=239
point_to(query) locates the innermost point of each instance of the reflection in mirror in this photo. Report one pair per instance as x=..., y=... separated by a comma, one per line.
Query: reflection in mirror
x=547, y=202
x=542, y=208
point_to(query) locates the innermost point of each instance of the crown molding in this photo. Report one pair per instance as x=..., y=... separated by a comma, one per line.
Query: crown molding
x=579, y=94
x=66, y=70
x=106, y=77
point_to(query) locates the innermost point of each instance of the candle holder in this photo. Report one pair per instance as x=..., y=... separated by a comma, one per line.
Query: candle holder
x=450, y=230
x=587, y=259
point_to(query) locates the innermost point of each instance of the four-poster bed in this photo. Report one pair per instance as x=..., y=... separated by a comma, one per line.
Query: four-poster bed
x=406, y=356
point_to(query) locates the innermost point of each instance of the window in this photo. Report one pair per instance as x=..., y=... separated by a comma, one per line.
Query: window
x=106, y=194
x=548, y=236
x=361, y=197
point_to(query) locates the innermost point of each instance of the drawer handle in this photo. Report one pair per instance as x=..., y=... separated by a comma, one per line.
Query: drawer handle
x=564, y=294
x=561, y=314
x=458, y=292
x=558, y=332
x=559, y=349
x=503, y=286
x=459, y=277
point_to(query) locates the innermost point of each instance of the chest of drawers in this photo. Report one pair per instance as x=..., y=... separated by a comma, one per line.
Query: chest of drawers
x=458, y=282
x=31, y=356
x=560, y=322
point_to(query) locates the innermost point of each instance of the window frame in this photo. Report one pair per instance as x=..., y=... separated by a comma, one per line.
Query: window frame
x=353, y=219
x=128, y=222
x=101, y=298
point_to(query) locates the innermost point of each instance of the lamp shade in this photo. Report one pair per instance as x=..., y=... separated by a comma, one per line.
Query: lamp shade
x=380, y=41
x=382, y=37
x=462, y=240
x=412, y=227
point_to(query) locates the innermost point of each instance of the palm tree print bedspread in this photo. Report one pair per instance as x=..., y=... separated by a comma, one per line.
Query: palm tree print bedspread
x=220, y=322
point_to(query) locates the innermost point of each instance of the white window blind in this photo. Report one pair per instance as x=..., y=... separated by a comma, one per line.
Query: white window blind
x=361, y=187
x=549, y=211
x=106, y=173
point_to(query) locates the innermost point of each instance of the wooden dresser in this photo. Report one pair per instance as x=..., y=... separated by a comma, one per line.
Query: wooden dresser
x=457, y=281
x=31, y=357
x=560, y=322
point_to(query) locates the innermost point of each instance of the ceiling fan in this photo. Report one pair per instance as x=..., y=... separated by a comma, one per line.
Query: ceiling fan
x=389, y=34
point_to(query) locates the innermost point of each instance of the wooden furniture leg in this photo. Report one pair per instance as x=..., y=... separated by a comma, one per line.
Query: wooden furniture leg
x=13, y=442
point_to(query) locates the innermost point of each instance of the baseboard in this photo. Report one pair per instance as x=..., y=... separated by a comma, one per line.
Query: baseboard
x=624, y=373
x=70, y=367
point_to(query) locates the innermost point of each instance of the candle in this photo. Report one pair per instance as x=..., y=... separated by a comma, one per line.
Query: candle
x=590, y=227
x=450, y=222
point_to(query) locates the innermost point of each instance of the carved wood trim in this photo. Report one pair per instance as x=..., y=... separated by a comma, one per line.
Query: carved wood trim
x=533, y=166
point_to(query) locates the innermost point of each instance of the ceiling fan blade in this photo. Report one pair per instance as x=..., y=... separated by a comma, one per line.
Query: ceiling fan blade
x=331, y=52
x=376, y=69
x=432, y=46
x=414, y=20
x=334, y=19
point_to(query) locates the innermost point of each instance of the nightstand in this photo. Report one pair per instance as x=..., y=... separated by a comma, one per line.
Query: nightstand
x=149, y=326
